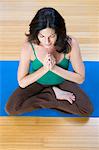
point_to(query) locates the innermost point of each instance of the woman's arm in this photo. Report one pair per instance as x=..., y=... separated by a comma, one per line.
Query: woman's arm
x=22, y=75
x=78, y=75
x=31, y=78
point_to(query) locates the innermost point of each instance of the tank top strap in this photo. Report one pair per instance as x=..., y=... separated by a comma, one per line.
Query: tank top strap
x=64, y=55
x=33, y=49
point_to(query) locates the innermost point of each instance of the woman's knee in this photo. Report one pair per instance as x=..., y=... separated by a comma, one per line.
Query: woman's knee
x=90, y=110
x=12, y=104
x=10, y=109
x=87, y=111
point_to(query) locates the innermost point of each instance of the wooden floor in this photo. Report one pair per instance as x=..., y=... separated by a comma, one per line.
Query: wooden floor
x=48, y=133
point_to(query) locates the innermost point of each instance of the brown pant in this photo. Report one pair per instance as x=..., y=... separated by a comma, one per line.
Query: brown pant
x=37, y=96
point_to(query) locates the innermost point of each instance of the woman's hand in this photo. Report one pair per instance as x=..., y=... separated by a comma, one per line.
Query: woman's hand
x=49, y=62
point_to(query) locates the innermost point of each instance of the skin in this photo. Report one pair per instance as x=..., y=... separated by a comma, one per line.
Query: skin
x=47, y=54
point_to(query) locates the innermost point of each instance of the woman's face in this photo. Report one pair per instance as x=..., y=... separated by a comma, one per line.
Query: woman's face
x=47, y=37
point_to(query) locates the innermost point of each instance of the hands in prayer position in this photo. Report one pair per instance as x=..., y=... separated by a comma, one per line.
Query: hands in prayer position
x=49, y=61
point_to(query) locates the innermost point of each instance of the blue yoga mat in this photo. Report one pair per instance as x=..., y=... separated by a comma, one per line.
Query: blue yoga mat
x=8, y=83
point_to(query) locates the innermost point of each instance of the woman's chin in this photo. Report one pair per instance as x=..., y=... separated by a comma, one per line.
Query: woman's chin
x=50, y=51
x=48, y=47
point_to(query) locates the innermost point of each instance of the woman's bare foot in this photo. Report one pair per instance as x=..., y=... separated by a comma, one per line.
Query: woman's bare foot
x=64, y=95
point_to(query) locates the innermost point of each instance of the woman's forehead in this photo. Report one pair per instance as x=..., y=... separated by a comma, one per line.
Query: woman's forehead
x=47, y=31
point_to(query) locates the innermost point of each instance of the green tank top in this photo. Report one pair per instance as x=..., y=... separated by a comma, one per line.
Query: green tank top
x=49, y=78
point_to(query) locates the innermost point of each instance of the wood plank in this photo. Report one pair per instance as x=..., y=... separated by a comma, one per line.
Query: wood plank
x=49, y=133
x=21, y=120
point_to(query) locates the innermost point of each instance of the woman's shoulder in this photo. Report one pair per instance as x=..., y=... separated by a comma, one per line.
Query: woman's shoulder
x=74, y=42
x=74, y=45
x=26, y=46
x=25, y=49
x=73, y=39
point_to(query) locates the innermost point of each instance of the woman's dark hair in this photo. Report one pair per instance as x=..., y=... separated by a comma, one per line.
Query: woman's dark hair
x=49, y=17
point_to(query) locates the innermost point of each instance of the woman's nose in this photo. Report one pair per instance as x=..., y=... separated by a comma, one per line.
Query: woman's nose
x=47, y=41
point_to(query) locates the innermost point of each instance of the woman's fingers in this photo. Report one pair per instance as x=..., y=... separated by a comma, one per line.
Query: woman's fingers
x=49, y=61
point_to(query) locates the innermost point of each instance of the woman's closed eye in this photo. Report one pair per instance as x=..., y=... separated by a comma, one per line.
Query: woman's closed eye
x=53, y=36
x=41, y=36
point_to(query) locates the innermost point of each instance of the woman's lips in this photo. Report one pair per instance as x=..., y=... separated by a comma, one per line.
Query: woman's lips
x=48, y=46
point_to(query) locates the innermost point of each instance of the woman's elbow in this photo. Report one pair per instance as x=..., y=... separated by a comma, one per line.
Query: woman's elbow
x=21, y=84
x=81, y=80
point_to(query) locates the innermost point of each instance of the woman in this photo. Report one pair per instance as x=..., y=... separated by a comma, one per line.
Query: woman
x=49, y=84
